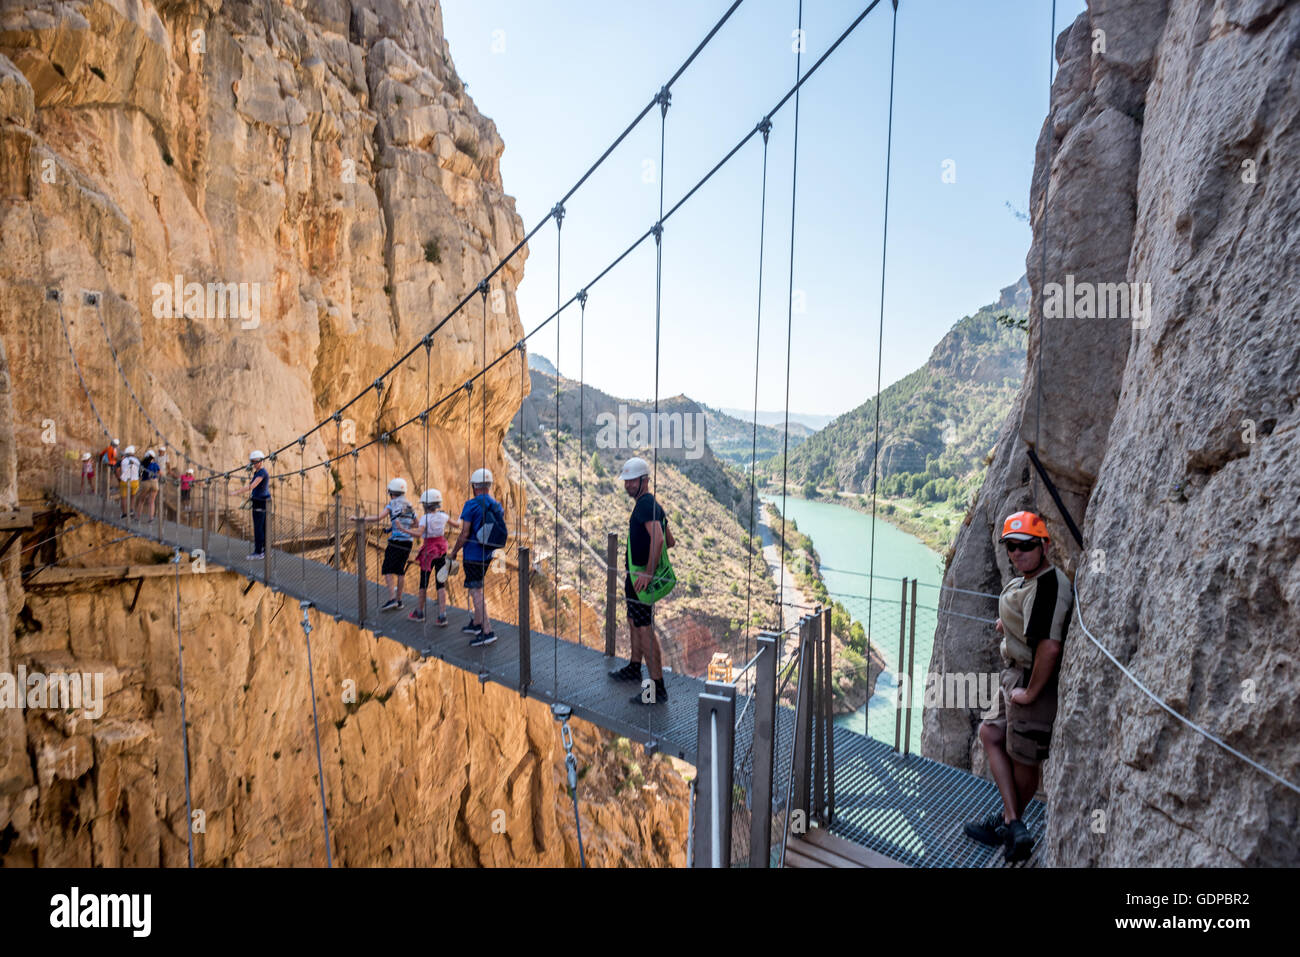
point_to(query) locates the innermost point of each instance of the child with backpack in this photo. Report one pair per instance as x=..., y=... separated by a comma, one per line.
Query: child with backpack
x=482, y=531
x=432, y=557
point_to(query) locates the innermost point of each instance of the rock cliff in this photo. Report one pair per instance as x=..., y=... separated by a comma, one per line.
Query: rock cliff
x=321, y=173
x=1172, y=152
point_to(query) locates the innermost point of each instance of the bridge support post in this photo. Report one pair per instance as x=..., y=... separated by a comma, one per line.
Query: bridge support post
x=760, y=825
x=898, y=675
x=203, y=536
x=338, y=532
x=361, y=567
x=611, y=593
x=801, y=757
x=828, y=805
x=716, y=741
x=269, y=546
x=525, y=621
x=818, y=796
x=911, y=663
x=159, y=503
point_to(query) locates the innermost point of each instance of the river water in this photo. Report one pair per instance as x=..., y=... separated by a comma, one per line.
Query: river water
x=842, y=538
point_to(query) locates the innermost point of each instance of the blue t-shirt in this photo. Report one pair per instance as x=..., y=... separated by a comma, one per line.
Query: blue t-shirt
x=150, y=470
x=401, y=518
x=473, y=513
x=263, y=490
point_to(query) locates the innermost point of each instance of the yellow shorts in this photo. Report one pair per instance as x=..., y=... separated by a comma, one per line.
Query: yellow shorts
x=134, y=484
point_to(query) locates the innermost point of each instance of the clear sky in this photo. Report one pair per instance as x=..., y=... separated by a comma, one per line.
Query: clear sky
x=562, y=79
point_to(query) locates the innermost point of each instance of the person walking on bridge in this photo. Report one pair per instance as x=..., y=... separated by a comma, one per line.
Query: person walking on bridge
x=648, y=535
x=259, y=494
x=401, y=530
x=128, y=484
x=1033, y=614
x=432, y=558
x=481, y=520
x=108, y=459
x=87, y=473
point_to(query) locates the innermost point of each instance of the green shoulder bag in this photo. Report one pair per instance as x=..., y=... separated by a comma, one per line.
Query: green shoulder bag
x=664, y=580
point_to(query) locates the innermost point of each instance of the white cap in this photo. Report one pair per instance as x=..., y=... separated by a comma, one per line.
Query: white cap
x=129, y=450
x=256, y=455
x=634, y=468
x=115, y=442
x=431, y=496
x=481, y=477
x=189, y=471
x=397, y=485
x=85, y=456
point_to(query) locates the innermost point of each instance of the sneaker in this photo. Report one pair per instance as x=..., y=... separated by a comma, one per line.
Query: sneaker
x=391, y=605
x=1020, y=843
x=256, y=556
x=991, y=831
x=472, y=629
x=629, y=672
x=483, y=639
x=416, y=615
x=441, y=620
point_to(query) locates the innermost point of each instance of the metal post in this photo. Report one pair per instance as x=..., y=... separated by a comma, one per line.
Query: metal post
x=799, y=766
x=269, y=545
x=611, y=593
x=361, y=567
x=760, y=825
x=818, y=730
x=178, y=506
x=911, y=661
x=203, y=536
x=525, y=622
x=130, y=504
x=829, y=805
x=902, y=638
x=156, y=500
x=338, y=531
x=715, y=733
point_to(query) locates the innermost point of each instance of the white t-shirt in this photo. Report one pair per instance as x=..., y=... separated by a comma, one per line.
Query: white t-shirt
x=130, y=469
x=434, y=524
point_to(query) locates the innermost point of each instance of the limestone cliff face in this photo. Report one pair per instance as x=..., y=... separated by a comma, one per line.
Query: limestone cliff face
x=1173, y=158
x=324, y=160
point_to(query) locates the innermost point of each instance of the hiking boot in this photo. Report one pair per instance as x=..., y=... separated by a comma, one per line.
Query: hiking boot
x=629, y=672
x=991, y=831
x=1020, y=843
x=483, y=639
x=472, y=629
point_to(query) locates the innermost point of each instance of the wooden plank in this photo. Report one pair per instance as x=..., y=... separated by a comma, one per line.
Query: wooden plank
x=821, y=855
x=856, y=854
x=15, y=518
x=55, y=575
x=794, y=857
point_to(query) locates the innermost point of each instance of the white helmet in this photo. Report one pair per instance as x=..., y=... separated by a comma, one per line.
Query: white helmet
x=115, y=443
x=189, y=471
x=397, y=485
x=85, y=456
x=129, y=450
x=149, y=453
x=481, y=477
x=256, y=455
x=430, y=496
x=634, y=468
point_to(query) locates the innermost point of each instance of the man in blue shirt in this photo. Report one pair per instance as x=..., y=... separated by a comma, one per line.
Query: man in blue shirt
x=401, y=522
x=477, y=557
x=259, y=493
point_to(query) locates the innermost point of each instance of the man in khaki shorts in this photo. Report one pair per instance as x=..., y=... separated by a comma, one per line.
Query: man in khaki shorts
x=1033, y=614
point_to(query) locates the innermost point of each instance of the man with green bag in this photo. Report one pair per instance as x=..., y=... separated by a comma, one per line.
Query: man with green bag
x=649, y=577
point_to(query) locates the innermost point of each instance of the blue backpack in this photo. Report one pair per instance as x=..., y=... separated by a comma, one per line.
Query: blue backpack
x=491, y=530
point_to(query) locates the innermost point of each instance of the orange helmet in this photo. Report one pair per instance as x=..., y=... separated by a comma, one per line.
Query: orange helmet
x=1023, y=526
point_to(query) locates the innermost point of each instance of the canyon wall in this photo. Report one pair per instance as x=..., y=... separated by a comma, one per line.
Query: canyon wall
x=324, y=162
x=1173, y=151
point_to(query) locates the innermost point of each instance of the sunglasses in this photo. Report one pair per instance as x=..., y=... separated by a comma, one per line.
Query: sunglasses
x=1015, y=546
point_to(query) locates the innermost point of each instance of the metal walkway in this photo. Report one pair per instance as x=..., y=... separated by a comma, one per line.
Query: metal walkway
x=908, y=807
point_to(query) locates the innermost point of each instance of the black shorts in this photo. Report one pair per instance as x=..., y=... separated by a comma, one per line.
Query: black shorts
x=639, y=613
x=396, y=556
x=426, y=575
x=474, y=572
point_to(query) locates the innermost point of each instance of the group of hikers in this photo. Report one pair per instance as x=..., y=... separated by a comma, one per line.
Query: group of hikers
x=138, y=477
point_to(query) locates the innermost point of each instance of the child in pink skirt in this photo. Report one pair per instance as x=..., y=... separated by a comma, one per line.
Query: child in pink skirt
x=432, y=531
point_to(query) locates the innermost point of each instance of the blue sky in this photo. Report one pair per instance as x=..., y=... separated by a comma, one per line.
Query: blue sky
x=561, y=80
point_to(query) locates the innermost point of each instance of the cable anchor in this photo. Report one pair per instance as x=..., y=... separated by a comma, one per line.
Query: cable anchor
x=557, y=212
x=765, y=127
x=657, y=230
x=664, y=97
x=582, y=298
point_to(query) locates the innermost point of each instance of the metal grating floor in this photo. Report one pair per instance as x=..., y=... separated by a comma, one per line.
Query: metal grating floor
x=909, y=808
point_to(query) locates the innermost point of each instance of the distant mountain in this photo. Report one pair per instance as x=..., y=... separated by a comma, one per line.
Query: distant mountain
x=801, y=423
x=937, y=423
x=734, y=439
x=541, y=364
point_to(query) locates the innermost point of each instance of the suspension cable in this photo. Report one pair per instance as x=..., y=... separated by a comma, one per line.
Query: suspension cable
x=582, y=424
x=880, y=336
x=1042, y=268
x=558, y=215
x=315, y=723
x=185, y=735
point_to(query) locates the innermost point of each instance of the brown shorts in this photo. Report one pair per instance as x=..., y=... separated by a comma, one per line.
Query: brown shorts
x=1028, y=728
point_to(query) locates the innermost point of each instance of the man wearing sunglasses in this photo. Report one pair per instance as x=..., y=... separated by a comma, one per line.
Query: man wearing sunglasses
x=1033, y=613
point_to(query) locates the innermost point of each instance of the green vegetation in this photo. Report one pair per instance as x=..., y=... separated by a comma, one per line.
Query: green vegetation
x=431, y=252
